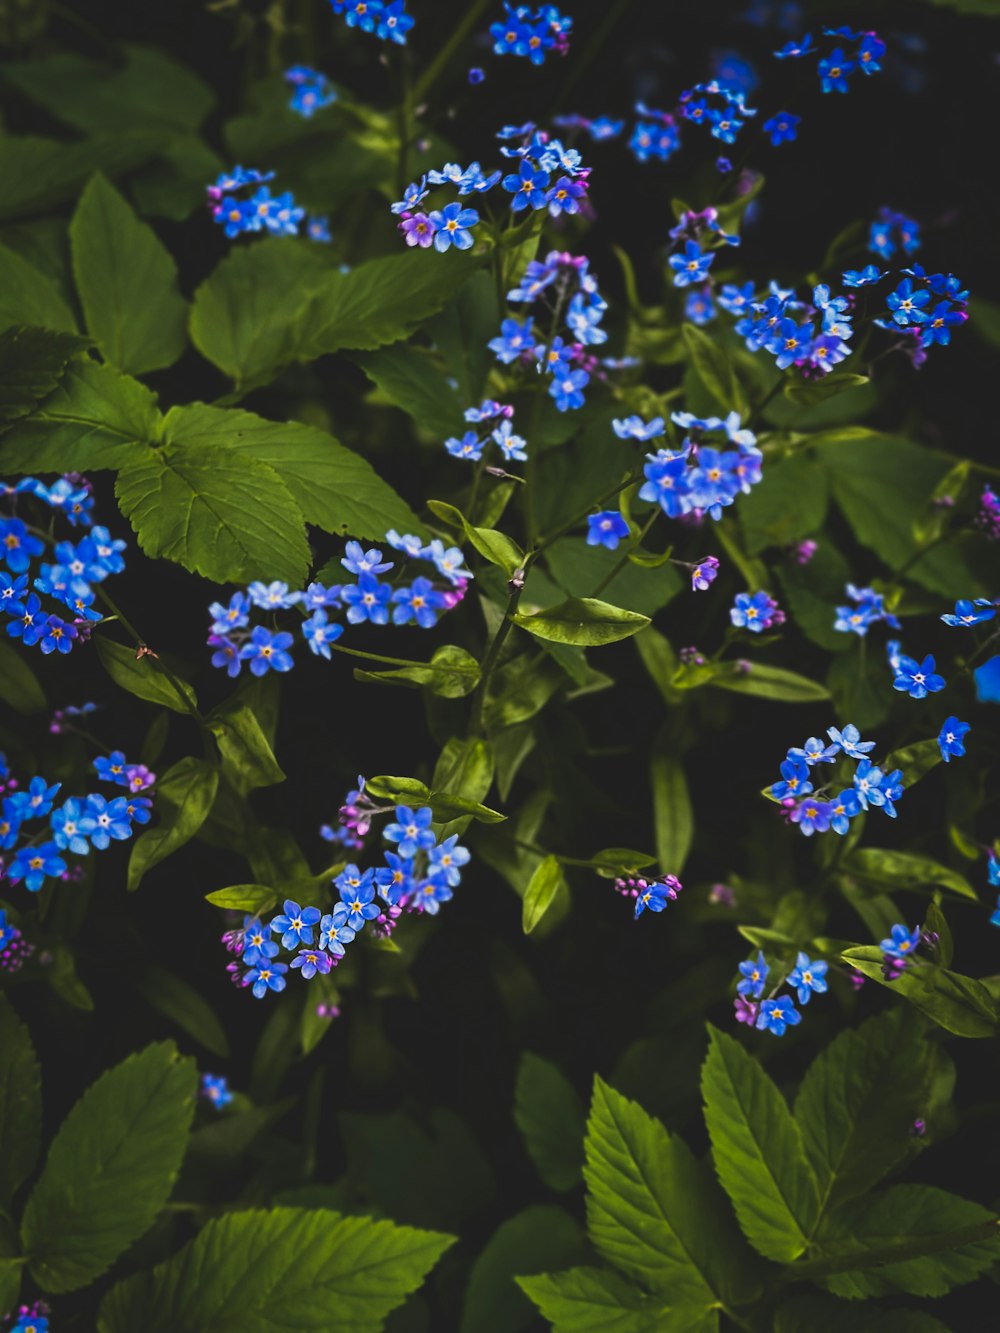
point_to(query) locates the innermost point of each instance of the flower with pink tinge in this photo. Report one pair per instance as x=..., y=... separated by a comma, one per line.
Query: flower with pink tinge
x=805, y=551
x=418, y=230
x=745, y=1011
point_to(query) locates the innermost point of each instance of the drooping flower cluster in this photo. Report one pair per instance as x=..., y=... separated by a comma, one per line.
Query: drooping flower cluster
x=366, y=599
x=69, y=580
x=30, y=854
x=653, y=894
x=386, y=19
x=311, y=90
x=697, y=477
x=238, y=212
x=418, y=875
x=807, y=978
x=494, y=422
x=816, y=809
x=533, y=34
x=859, y=51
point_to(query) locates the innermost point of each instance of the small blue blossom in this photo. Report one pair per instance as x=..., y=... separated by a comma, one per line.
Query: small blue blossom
x=795, y=49
x=272, y=596
x=215, y=1088
x=808, y=978
x=37, y=799
x=783, y=128
x=917, y=679
x=754, y=612
x=907, y=304
x=849, y=740
x=692, y=266
x=431, y=893
x=453, y=223
x=267, y=652
x=18, y=545
x=359, y=902
x=606, y=529
x=448, y=561
x=814, y=752
x=257, y=943
x=794, y=780
x=335, y=933
x=902, y=942
x=754, y=977
x=111, y=820
x=266, y=976
x=970, y=613
x=420, y=602
x=320, y=632
x=367, y=600
x=834, y=72
x=71, y=826
x=511, y=446
x=864, y=277
x=295, y=924
x=951, y=739
x=811, y=815
x=356, y=560
x=699, y=307
x=843, y=807
x=567, y=388
x=311, y=961
x=30, y=627
x=36, y=864
x=634, y=428
x=411, y=830
x=516, y=337
x=868, y=784
x=469, y=446
x=446, y=860
x=987, y=678
x=234, y=616
x=776, y=1016
x=395, y=878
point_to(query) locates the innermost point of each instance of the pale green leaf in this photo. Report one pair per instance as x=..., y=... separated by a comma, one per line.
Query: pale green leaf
x=584, y=621
x=546, y=891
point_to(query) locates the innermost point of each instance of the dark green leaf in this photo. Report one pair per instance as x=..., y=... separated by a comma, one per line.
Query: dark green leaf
x=181, y=1003
x=32, y=362
x=42, y=173
x=758, y=1151
x=904, y=870
x=915, y=760
x=20, y=1104
x=660, y=660
x=584, y=621
x=578, y=569
x=958, y=1004
x=714, y=369
x=110, y=1168
x=791, y=506
x=28, y=297
x=547, y=893
x=599, y=1300
x=552, y=1121
x=403, y=791
x=673, y=815
x=462, y=330
x=409, y=379
x=184, y=796
x=810, y=392
x=612, y=861
x=19, y=685
x=452, y=673
x=247, y=759
x=143, y=676
x=543, y=1236
x=447, y=806
x=127, y=282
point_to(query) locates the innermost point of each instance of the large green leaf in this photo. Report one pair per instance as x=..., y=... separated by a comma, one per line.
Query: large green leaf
x=247, y=759
x=768, y=682
x=110, y=1168
x=713, y=368
x=41, y=173
x=653, y=1209
x=552, y=1121
x=231, y=519
x=790, y=505
x=410, y=380
x=177, y=1000
x=254, y=1272
x=578, y=569
x=32, y=362
x=127, y=282
x=905, y=870
x=20, y=1104
x=584, y=621
x=334, y=487
x=184, y=797
x=494, y=546
x=462, y=330
x=540, y=1237
x=28, y=297
x=144, y=676
x=598, y=1300
x=95, y=419
x=758, y=1150
x=958, y=1004
x=858, y=1100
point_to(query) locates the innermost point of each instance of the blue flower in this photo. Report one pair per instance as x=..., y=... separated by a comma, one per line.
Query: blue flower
x=862, y=277
x=267, y=652
x=295, y=924
x=469, y=446
x=811, y=815
x=939, y=324
x=868, y=784
x=319, y=632
x=667, y=483
x=393, y=25
x=111, y=820
x=446, y=860
x=58, y=636
x=113, y=769
x=18, y=545
x=516, y=336
x=31, y=625
x=38, y=799
x=634, y=428
x=849, y=740
x=776, y=1016
x=754, y=977
x=312, y=961
x=257, y=943
x=453, y=223
x=432, y=893
x=790, y=342
x=12, y=592
x=395, y=878
x=834, y=71
x=951, y=739
x=892, y=790
x=233, y=616
x=36, y=864
x=794, y=780
x=11, y=819
x=783, y=128
x=420, y=602
x=215, y=1088
x=359, y=900
x=917, y=679
x=736, y=300
x=356, y=560
x=335, y=933
x=565, y=196
x=606, y=529
x=808, y=977
x=411, y=830
x=512, y=446
x=871, y=51
x=699, y=307
x=652, y=895
x=566, y=387
x=227, y=654
x=71, y=826
x=902, y=943
x=814, y=752
x=793, y=50
x=987, y=678
x=970, y=613
x=267, y=976
x=906, y=304
x=752, y=612
x=843, y=808
x=449, y=562
x=692, y=266
x=318, y=229
x=367, y=600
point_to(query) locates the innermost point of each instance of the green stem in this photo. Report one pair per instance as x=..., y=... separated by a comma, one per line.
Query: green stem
x=459, y=33
x=378, y=657
x=622, y=560
x=917, y=1248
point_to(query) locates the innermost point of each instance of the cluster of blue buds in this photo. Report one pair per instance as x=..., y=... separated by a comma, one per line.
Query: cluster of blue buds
x=533, y=34
x=386, y=19
x=493, y=420
x=239, y=214
x=367, y=599
x=860, y=51
x=700, y=475
x=817, y=809
x=807, y=978
x=31, y=855
x=419, y=875
x=69, y=580
x=311, y=90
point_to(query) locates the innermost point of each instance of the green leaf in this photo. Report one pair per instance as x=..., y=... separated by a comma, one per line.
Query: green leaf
x=930, y=1229
x=28, y=297
x=247, y=759
x=463, y=328
x=184, y=796
x=231, y=519
x=552, y=1121
x=543, y=1236
x=19, y=685
x=43, y=173
x=20, y=1104
x=448, y=806
x=547, y=892
x=809, y=393
x=95, y=419
x=653, y=1209
x=451, y=673
x=612, y=861
x=253, y=898
x=713, y=368
x=768, y=682
x=32, y=362
x=673, y=815
x=804, y=1311
x=580, y=568
x=905, y=870
x=401, y=791
x=181, y=1003
x=409, y=379
x=584, y=621
x=598, y=1300
x=915, y=760
x=660, y=660
x=791, y=506
x=143, y=676
x=958, y=1004
x=292, y=1268
x=127, y=282
x=334, y=487
x=758, y=1151
x=110, y=1168
x=495, y=546
x=465, y=768
x=858, y=1099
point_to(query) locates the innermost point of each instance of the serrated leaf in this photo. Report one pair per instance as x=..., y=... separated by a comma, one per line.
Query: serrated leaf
x=905, y=870
x=248, y=761
x=127, y=281
x=43, y=173
x=230, y=519
x=546, y=889
x=958, y=1004
x=173, y=997
x=20, y=1104
x=758, y=1150
x=252, y=898
x=654, y=1212
x=110, y=1168
x=143, y=676
x=542, y=1236
x=584, y=621
x=552, y=1121
x=410, y=380
x=673, y=815
x=32, y=362
x=292, y=1268
x=184, y=797
x=599, y=1300
x=28, y=297
x=496, y=547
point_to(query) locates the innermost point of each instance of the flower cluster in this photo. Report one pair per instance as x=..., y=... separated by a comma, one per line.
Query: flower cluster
x=311, y=90
x=32, y=1318
x=240, y=213
x=14, y=948
x=811, y=335
x=354, y=819
x=531, y=33
x=600, y=128
x=817, y=809
x=993, y=871
x=368, y=598
x=386, y=19
x=807, y=978
x=892, y=231
x=79, y=823
x=756, y=612
x=864, y=51
x=720, y=106
x=419, y=875
x=868, y=609
x=696, y=477
x=69, y=580
x=653, y=894
x=215, y=1089
x=925, y=307
x=473, y=442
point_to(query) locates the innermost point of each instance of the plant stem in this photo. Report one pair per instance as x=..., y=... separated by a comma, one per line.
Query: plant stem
x=622, y=560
